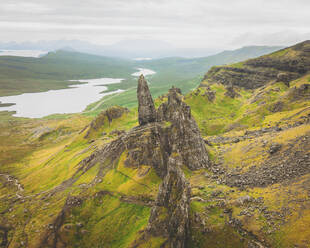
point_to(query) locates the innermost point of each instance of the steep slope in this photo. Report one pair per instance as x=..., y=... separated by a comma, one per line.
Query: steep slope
x=256, y=124
x=284, y=66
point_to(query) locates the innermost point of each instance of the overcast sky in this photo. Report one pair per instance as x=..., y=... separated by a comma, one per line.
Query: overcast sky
x=183, y=23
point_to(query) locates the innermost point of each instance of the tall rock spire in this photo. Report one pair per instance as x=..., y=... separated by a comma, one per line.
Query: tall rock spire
x=146, y=109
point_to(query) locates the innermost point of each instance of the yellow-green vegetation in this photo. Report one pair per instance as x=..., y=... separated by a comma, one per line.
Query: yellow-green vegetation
x=49, y=154
x=59, y=183
x=252, y=109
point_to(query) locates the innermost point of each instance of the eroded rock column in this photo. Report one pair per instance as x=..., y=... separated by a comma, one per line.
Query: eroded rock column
x=146, y=108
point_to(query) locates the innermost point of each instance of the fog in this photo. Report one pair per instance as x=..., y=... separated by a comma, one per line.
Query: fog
x=200, y=24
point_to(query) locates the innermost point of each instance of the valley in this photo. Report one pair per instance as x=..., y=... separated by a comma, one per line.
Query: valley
x=37, y=105
x=56, y=70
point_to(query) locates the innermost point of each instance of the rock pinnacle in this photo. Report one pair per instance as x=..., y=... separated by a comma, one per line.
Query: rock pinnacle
x=146, y=108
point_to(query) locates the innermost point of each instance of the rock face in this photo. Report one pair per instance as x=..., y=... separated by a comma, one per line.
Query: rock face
x=173, y=140
x=147, y=112
x=185, y=136
x=170, y=215
x=210, y=94
x=230, y=91
x=173, y=146
x=174, y=130
x=283, y=66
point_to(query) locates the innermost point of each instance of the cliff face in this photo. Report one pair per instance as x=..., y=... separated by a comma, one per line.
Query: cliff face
x=184, y=136
x=284, y=65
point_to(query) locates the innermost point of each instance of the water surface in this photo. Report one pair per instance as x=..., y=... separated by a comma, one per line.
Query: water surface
x=23, y=53
x=70, y=100
x=144, y=71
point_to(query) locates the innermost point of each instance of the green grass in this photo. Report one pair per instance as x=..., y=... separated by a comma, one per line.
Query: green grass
x=110, y=222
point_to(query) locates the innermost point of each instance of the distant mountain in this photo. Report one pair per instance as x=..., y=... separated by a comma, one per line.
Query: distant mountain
x=52, y=71
x=20, y=74
x=191, y=67
x=125, y=49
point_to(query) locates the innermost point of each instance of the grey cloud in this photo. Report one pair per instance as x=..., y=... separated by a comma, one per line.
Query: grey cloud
x=182, y=22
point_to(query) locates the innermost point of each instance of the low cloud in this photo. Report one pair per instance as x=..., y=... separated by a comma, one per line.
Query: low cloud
x=183, y=23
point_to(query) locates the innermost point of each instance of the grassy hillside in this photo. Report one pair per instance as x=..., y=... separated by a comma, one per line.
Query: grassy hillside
x=19, y=74
x=57, y=184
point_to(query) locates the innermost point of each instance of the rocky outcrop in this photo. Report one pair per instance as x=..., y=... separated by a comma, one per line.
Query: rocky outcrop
x=167, y=140
x=170, y=215
x=292, y=162
x=298, y=62
x=172, y=146
x=146, y=108
x=230, y=91
x=174, y=130
x=184, y=135
x=301, y=92
x=106, y=116
x=210, y=94
x=148, y=145
x=249, y=78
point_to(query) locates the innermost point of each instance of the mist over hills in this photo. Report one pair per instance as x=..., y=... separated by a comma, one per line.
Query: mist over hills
x=127, y=48
x=27, y=74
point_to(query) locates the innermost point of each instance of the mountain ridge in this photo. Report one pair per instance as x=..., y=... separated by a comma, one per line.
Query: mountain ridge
x=129, y=49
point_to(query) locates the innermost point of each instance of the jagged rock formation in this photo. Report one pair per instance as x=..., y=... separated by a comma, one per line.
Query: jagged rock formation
x=170, y=215
x=166, y=140
x=284, y=65
x=146, y=106
x=185, y=136
x=184, y=146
